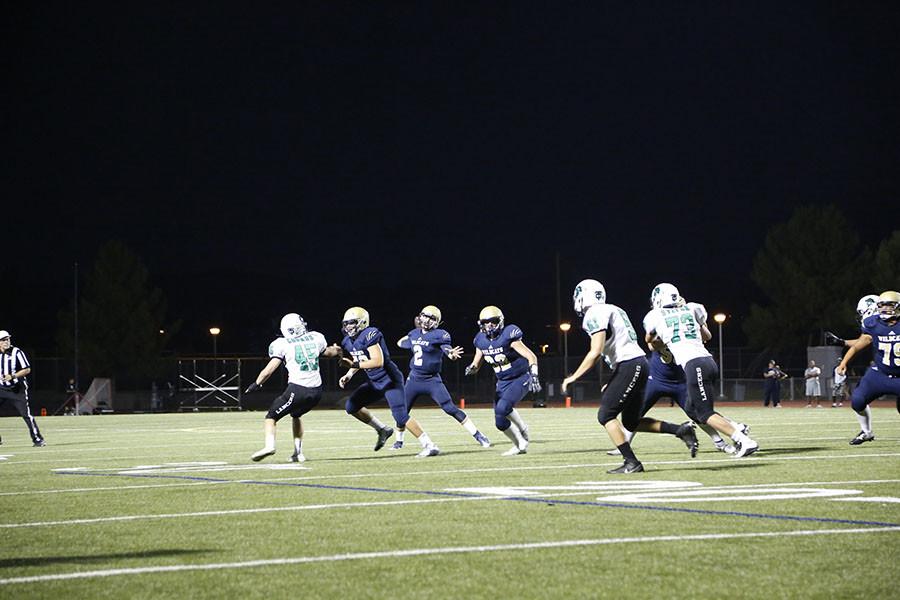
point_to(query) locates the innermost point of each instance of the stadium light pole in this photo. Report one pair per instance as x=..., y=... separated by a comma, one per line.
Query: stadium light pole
x=214, y=332
x=565, y=327
x=720, y=318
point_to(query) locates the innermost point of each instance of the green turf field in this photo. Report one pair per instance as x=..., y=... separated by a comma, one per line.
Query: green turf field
x=154, y=506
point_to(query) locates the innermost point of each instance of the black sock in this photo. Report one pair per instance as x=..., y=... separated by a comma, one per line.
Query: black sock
x=666, y=427
x=627, y=452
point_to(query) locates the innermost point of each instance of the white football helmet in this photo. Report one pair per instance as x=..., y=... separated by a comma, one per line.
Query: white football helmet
x=867, y=306
x=490, y=321
x=889, y=305
x=355, y=320
x=292, y=325
x=665, y=295
x=430, y=317
x=588, y=293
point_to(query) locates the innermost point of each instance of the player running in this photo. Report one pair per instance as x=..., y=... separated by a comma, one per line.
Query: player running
x=613, y=338
x=515, y=366
x=298, y=350
x=368, y=352
x=682, y=329
x=883, y=376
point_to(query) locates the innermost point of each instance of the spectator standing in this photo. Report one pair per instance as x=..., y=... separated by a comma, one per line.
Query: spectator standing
x=838, y=389
x=14, y=371
x=773, y=376
x=813, y=385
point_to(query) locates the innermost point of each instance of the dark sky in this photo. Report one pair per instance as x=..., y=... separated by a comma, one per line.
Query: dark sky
x=319, y=155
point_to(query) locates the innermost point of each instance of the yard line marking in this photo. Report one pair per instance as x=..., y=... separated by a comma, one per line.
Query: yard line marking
x=884, y=499
x=512, y=498
x=413, y=552
x=112, y=488
x=243, y=511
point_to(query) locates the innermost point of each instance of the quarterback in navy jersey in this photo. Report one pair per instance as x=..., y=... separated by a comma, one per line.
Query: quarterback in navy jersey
x=368, y=351
x=882, y=332
x=515, y=366
x=429, y=345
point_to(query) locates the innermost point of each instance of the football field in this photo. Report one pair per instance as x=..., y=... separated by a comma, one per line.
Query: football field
x=169, y=505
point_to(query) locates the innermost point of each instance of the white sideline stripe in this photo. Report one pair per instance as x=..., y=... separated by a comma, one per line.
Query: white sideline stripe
x=436, y=551
x=244, y=511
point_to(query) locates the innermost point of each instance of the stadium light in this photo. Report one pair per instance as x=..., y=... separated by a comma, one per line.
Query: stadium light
x=720, y=318
x=565, y=327
x=215, y=331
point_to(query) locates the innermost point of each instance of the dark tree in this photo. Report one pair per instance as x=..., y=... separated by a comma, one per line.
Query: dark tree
x=887, y=265
x=812, y=270
x=120, y=316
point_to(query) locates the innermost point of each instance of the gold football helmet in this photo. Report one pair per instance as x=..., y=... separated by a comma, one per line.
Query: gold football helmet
x=490, y=320
x=355, y=320
x=430, y=317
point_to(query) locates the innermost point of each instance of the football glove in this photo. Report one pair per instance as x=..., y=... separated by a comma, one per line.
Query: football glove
x=471, y=370
x=833, y=340
x=252, y=388
x=534, y=384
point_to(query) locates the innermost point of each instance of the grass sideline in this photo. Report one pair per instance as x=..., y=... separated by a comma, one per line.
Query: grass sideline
x=169, y=505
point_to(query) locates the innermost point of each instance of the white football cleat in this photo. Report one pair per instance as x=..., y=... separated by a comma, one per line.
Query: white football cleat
x=261, y=454
x=429, y=450
x=297, y=457
x=746, y=448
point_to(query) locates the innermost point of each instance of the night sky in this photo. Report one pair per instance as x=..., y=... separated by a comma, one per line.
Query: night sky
x=321, y=155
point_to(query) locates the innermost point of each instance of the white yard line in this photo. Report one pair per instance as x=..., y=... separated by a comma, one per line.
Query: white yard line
x=413, y=552
x=244, y=511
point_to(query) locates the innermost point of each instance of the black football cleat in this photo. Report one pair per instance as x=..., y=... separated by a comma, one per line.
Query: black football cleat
x=628, y=467
x=40, y=444
x=687, y=435
x=861, y=437
x=383, y=435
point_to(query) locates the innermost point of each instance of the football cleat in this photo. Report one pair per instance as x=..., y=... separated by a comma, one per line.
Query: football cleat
x=42, y=443
x=482, y=439
x=297, y=457
x=614, y=452
x=515, y=450
x=261, y=454
x=861, y=437
x=383, y=434
x=724, y=446
x=687, y=435
x=628, y=467
x=397, y=445
x=745, y=449
x=429, y=450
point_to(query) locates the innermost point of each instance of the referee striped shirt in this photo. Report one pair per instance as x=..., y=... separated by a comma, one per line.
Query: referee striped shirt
x=12, y=361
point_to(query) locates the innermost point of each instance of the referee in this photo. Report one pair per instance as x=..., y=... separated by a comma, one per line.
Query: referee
x=14, y=368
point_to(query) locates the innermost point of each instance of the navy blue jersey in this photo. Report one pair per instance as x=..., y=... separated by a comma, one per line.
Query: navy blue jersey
x=428, y=349
x=499, y=353
x=885, y=345
x=665, y=373
x=358, y=348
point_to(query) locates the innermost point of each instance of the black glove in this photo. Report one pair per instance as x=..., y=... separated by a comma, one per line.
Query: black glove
x=833, y=340
x=470, y=370
x=252, y=388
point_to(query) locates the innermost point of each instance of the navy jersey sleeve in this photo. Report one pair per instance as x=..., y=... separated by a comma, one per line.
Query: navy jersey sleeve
x=513, y=333
x=405, y=343
x=371, y=336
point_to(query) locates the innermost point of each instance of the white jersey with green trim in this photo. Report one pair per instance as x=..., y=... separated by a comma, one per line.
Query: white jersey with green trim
x=301, y=357
x=680, y=328
x=621, y=339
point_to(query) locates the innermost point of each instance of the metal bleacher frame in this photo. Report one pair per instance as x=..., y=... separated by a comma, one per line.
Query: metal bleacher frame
x=207, y=389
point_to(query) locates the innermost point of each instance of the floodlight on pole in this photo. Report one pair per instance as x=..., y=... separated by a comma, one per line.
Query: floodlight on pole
x=214, y=332
x=565, y=327
x=719, y=318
